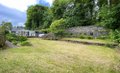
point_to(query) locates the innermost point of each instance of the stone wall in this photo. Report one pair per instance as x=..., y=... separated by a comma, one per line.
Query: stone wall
x=94, y=31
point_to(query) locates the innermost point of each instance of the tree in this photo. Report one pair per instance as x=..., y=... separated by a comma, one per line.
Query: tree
x=109, y=18
x=35, y=16
x=48, y=18
x=7, y=25
x=58, y=27
x=58, y=8
x=79, y=13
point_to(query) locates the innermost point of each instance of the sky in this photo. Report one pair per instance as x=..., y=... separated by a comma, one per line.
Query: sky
x=21, y=5
x=15, y=10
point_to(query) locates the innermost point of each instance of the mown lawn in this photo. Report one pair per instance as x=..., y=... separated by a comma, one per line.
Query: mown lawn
x=90, y=40
x=45, y=56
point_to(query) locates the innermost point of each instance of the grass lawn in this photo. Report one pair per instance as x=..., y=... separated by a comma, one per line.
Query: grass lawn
x=90, y=40
x=45, y=56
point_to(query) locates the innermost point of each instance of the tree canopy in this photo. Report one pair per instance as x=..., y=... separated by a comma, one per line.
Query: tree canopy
x=75, y=13
x=35, y=16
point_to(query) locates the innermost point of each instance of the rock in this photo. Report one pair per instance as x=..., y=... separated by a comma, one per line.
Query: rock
x=10, y=45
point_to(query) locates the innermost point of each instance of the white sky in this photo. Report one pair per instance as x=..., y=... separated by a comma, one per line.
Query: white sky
x=21, y=5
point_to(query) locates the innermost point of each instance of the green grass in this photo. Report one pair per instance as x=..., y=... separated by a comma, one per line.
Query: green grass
x=45, y=56
x=90, y=40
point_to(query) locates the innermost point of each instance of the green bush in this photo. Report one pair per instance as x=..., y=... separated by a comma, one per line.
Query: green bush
x=103, y=37
x=2, y=40
x=25, y=43
x=15, y=42
x=82, y=36
x=59, y=33
x=109, y=18
x=115, y=35
x=15, y=39
x=11, y=37
x=57, y=27
x=89, y=37
x=22, y=38
x=2, y=37
x=45, y=30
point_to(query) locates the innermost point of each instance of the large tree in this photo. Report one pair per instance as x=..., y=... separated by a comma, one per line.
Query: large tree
x=76, y=12
x=58, y=8
x=35, y=16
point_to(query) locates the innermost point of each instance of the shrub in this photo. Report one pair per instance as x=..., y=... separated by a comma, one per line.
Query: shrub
x=89, y=37
x=82, y=36
x=2, y=37
x=45, y=30
x=115, y=35
x=59, y=33
x=22, y=38
x=25, y=43
x=103, y=37
x=11, y=37
x=2, y=40
x=15, y=39
x=58, y=27
x=15, y=42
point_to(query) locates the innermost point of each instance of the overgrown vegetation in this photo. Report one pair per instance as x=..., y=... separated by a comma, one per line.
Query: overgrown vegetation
x=75, y=13
x=2, y=37
x=15, y=39
x=109, y=18
x=5, y=34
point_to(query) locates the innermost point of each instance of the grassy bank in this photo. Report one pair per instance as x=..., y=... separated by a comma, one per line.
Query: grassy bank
x=90, y=40
x=45, y=56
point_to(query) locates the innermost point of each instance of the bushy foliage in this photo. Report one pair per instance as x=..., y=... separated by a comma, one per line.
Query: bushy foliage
x=71, y=13
x=2, y=36
x=25, y=43
x=15, y=39
x=83, y=36
x=109, y=18
x=22, y=38
x=35, y=16
x=115, y=35
x=7, y=25
x=57, y=27
x=47, y=19
x=11, y=37
x=59, y=8
x=47, y=30
x=103, y=37
x=57, y=24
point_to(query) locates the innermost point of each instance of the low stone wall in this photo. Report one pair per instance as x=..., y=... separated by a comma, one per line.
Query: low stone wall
x=94, y=31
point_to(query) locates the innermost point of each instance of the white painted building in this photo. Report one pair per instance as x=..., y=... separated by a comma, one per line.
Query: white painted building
x=28, y=33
